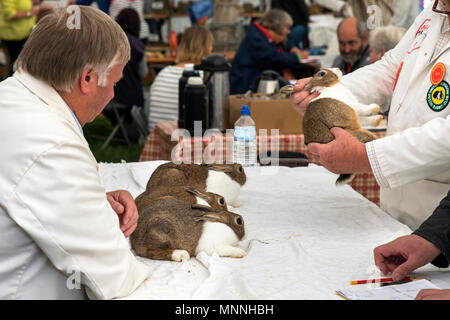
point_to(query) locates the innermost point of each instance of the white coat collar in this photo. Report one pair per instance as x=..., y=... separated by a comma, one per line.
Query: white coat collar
x=48, y=95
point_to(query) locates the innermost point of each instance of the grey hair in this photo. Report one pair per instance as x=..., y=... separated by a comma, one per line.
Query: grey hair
x=385, y=37
x=57, y=53
x=361, y=28
x=276, y=20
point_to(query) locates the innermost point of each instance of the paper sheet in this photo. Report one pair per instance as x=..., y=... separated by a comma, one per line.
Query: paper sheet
x=406, y=291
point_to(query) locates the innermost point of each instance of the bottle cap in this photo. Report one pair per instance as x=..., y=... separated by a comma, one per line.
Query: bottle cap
x=245, y=111
x=195, y=80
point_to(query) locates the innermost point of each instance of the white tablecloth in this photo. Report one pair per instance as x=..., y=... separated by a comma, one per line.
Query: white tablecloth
x=305, y=239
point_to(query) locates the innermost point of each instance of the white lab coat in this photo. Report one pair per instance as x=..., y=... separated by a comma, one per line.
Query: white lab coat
x=56, y=225
x=414, y=160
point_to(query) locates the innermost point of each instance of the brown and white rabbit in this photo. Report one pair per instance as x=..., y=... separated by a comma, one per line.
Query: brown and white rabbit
x=327, y=83
x=188, y=194
x=172, y=229
x=336, y=106
x=223, y=179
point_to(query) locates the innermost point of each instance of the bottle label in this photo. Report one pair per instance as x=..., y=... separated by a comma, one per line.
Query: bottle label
x=245, y=133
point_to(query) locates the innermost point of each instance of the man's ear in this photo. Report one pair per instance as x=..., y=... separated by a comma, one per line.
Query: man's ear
x=86, y=81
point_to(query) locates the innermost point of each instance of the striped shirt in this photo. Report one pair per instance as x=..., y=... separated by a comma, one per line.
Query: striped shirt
x=117, y=5
x=163, y=99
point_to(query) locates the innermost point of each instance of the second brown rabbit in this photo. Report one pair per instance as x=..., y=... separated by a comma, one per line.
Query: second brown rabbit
x=187, y=194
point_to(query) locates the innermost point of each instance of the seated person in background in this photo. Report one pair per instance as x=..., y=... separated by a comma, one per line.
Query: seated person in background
x=263, y=49
x=353, y=40
x=299, y=13
x=128, y=92
x=381, y=40
x=118, y=5
x=196, y=44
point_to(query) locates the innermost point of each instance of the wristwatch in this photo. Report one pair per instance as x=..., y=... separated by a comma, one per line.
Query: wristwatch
x=28, y=13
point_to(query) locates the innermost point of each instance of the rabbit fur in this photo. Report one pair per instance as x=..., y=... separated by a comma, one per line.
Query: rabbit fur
x=172, y=229
x=223, y=179
x=336, y=106
x=188, y=194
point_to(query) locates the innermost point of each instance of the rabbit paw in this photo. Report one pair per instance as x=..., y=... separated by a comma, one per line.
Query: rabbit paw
x=230, y=251
x=374, y=108
x=179, y=255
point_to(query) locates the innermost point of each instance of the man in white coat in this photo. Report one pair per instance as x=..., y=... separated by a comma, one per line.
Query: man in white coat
x=411, y=164
x=61, y=235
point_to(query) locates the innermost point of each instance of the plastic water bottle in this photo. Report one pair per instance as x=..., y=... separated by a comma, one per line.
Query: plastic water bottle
x=244, y=146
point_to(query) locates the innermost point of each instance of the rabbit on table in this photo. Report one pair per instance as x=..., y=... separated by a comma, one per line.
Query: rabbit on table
x=336, y=106
x=172, y=229
x=188, y=194
x=223, y=179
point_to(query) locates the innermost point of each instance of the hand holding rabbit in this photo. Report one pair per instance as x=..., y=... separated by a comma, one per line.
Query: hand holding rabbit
x=341, y=155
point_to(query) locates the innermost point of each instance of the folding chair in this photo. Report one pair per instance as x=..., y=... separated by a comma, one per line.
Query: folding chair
x=115, y=107
x=139, y=117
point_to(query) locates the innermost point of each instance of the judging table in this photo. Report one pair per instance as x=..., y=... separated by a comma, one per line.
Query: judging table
x=305, y=239
x=161, y=146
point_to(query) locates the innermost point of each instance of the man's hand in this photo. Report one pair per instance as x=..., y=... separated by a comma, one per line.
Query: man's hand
x=433, y=294
x=301, y=99
x=123, y=204
x=404, y=255
x=345, y=154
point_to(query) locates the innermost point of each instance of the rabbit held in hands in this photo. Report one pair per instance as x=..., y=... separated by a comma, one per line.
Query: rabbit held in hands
x=223, y=179
x=172, y=229
x=335, y=107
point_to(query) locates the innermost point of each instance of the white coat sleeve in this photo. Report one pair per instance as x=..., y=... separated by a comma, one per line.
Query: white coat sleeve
x=335, y=5
x=374, y=83
x=424, y=153
x=62, y=206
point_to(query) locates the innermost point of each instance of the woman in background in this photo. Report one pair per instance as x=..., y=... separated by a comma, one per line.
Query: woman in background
x=17, y=18
x=196, y=44
x=264, y=48
x=128, y=92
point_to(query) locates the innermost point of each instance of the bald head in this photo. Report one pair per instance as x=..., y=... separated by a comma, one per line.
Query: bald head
x=352, y=27
x=353, y=38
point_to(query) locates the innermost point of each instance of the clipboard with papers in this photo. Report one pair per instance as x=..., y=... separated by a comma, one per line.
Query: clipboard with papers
x=405, y=291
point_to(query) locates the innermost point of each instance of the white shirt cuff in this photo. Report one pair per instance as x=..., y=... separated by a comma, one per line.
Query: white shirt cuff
x=375, y=165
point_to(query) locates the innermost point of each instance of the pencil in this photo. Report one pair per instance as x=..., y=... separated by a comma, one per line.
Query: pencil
x=377, y=280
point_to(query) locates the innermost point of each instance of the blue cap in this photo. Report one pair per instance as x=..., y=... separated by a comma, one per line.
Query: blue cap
x=245, y=110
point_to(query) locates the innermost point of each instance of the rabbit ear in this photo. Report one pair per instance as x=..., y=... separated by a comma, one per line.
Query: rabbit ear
x=202, y=207
x=309, y=86
x=193, y=191
x=211, y=217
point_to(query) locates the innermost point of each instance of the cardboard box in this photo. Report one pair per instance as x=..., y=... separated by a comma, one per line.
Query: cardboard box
x=268, y=114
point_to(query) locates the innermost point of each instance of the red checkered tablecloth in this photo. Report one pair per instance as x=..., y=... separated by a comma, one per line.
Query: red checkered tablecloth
x=164, y=143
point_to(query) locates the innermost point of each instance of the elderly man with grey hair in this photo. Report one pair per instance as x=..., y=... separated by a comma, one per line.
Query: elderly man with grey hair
x=353, y=39
x=62, y=236
x=383, y=39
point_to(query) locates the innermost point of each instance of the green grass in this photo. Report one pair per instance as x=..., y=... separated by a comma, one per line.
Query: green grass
x=96, y=133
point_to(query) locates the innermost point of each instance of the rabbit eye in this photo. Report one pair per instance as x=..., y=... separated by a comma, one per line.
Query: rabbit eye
x=240, y=169
x=239, y=221
x=322, y=74
x=221, y=201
